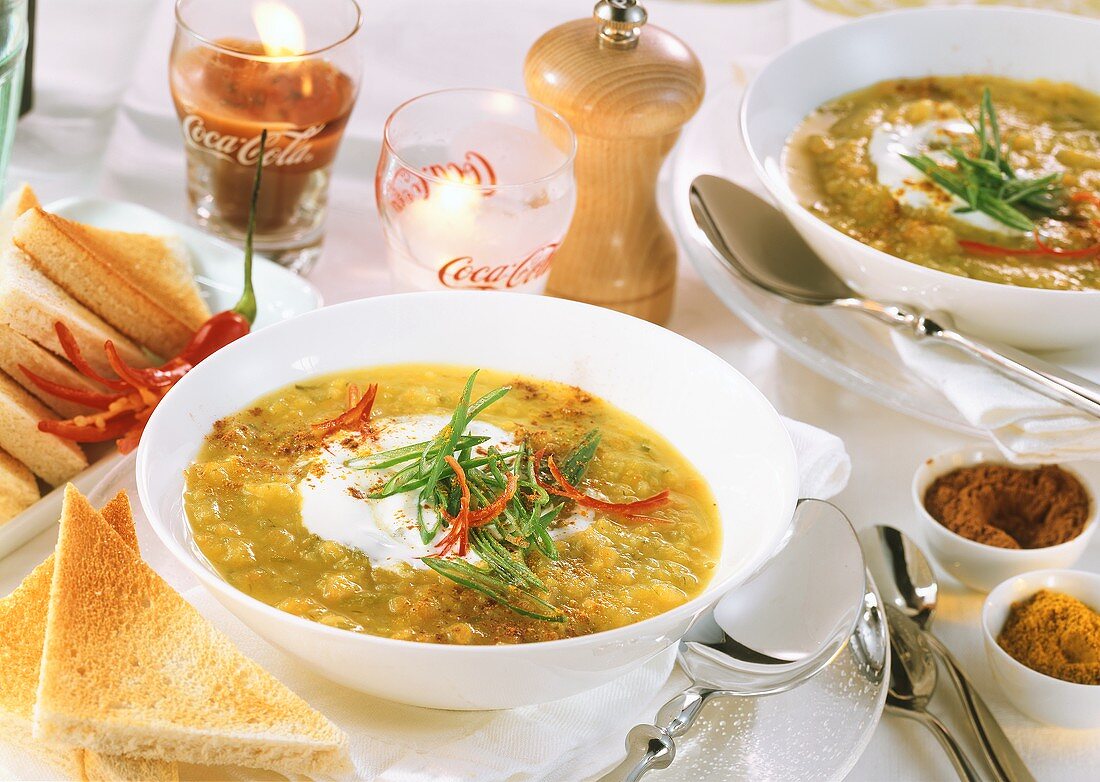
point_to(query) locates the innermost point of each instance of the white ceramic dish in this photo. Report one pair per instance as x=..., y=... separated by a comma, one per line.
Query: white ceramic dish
x=981, y=566
x=708, y=410
x=1041, y=697
x=280, y=294
x=911, y=44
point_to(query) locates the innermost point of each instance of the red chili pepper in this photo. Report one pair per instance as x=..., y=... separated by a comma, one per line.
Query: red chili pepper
x=458, y=530
x=213, y=335
x=355, y=418
x=631, y=510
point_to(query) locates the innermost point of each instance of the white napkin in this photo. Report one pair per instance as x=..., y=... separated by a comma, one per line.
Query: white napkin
x=1028, y=427
x=571, y=739
x=823, y=465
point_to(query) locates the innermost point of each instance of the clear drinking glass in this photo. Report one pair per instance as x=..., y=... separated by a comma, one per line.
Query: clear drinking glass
x=475, y=190
x=241, y=66
x=13, y=48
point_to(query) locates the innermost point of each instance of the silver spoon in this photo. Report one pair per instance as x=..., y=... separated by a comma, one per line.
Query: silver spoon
x=912, y=683
x=907, y=582
x=817, y=586
x=756, y=242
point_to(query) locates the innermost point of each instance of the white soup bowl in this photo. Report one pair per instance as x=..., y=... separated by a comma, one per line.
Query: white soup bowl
x=705, y=408
x=907, y=44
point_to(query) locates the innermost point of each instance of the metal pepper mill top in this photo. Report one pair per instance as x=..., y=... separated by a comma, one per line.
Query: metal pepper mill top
x=627, y=88
x=620, y=22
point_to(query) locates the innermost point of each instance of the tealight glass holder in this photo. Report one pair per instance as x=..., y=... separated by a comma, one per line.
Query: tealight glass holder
x=291, y=67
x=475, y=190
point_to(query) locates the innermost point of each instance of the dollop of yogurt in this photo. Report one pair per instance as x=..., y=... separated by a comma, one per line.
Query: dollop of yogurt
x=336, y=504
x=909, y=186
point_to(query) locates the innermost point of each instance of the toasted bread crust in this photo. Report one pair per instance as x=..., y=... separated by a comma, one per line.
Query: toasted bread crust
x=109, y=272
x=51, y=458
x=130, y=668
x=20, y=200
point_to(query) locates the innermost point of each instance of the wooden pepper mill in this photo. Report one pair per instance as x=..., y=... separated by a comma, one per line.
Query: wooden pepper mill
x=627, y=93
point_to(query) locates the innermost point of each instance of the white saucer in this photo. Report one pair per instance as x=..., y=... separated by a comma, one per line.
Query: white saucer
x=844, y=347
x=280, y=294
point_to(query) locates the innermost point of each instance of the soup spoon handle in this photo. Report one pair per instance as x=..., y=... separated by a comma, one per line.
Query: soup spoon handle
x=1051, y=381
x=955, y=754
x=651, y=747
x=1000, y=753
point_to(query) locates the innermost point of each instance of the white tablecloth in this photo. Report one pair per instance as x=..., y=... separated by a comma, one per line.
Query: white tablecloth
x=103, y=124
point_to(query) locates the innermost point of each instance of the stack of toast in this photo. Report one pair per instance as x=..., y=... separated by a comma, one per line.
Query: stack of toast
x=136, y=290
x=110, y=675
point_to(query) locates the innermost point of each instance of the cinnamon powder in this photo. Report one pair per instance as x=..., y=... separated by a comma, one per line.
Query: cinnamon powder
x=1010, y=507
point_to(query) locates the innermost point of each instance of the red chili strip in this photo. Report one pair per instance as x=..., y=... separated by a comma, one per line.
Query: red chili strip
x=1085, y=252
x=89, y=432
x=72, y=352
x=1082, y=197
x=632, y=510
x=141, y=380
x=1040, y=250
x=81, y=396
x=458, y=530
x=484, y=515
x=356, y=417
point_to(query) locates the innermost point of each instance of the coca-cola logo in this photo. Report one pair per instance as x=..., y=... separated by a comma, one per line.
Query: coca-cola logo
x=407, y=186
x=473, y=170
x=285, y=147
x=464, y=273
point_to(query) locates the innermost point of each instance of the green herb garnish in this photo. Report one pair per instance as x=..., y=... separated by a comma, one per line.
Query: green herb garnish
x=986, y=181
x=504, y=542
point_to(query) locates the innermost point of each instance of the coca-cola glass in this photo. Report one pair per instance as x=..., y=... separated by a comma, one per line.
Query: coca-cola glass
x=475, y=189
x=239, y=67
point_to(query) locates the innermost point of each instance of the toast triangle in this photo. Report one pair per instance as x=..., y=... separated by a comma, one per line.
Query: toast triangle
x=131, y=668
x=22, y=633
x=139, y=283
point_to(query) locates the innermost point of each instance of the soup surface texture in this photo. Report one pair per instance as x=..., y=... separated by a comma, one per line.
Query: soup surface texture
x=279, y=514
x=847, y=164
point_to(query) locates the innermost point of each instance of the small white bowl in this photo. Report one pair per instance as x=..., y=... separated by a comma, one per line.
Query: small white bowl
x=915, y=43
x=1037, y=695
x=981, y=566
x=709, y=411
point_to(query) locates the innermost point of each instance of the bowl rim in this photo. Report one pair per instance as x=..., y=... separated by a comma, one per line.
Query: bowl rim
x=927, y=472
x=853, y=245
x=693, y=607
x=998, y=592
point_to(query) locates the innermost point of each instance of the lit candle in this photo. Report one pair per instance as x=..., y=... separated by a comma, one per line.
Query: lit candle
x=228, y=92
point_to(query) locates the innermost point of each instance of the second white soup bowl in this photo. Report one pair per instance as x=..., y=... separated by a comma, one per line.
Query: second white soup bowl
x=709, y=411
x=905, y=44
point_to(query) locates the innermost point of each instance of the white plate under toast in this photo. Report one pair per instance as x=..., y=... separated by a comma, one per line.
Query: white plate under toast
x=280, y=295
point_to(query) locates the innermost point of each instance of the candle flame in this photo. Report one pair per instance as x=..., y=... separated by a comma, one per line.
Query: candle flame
x=281, y=31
